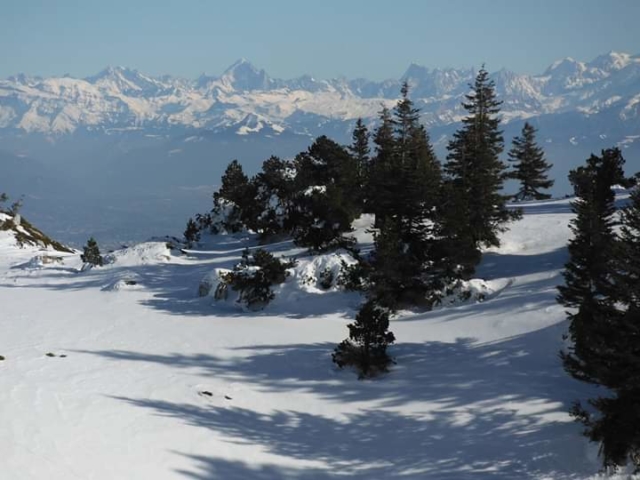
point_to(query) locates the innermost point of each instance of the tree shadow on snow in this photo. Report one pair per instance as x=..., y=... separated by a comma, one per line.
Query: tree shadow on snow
x=492, y=410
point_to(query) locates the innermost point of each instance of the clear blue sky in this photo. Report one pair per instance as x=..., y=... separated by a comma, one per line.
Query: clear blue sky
x=324, y=38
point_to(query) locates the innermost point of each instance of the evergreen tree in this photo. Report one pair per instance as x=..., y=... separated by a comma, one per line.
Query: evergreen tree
x=628, y=276
x=419, y=171
x=404, y=187
x=234, y=185
x=360, y=151
x=326, y=178
x=475, y=176
x=191, y=233
x=604, y=325
x=383, y=175
x=369, y=337
x=91, y=253
x=531, y=167
x=275, y=198
x=589, y=275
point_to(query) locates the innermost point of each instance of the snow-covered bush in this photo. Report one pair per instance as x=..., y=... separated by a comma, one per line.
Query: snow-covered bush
x=253, y=278
x=91, y=255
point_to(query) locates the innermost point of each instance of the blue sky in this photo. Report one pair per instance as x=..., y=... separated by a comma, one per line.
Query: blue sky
x=328, y=38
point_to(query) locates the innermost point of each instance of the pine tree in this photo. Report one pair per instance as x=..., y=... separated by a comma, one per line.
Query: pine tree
x=531, y=167
x=369, y=337
x=604, y=320
x=360, y=151
x=589, y=274
x=404, y=190
x=191, y=233
x=475, y=176
x=383, y=175
x=91, y=253
x=628, y=253
x=419, y=173
x=326, y=178
x=234, y=185
x=274, y=199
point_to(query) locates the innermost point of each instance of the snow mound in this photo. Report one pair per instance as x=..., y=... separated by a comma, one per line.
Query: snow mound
x=473, y=291
x=148, y=253
x=210, y=283
x=126, y=280
x=320, y=273
x=41, y=261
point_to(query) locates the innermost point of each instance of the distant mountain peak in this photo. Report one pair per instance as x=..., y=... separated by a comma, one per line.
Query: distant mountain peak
x=611, y=61
x=243, y=75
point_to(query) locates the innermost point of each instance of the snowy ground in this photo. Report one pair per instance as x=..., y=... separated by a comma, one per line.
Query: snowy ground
x=477, y=392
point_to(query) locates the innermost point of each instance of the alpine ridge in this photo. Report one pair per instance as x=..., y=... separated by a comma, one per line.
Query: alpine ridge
x=246, y=100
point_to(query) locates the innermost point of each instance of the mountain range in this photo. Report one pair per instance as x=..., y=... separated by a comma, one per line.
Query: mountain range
x=245, y=100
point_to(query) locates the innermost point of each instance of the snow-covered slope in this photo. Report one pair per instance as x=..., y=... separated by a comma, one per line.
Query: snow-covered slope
x=120, y=99
x=17, y=233
x=125, y=372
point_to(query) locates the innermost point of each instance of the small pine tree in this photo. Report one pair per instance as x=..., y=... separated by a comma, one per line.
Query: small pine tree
x=253, y=277
x=192, y=233
x=91, y=253
x=531, y=167
x=366, y=347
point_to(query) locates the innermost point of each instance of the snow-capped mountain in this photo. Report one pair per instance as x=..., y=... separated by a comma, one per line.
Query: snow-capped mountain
x=246, y=100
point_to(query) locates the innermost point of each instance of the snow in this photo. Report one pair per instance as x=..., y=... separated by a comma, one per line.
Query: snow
x=150, y=380
x=120, y=98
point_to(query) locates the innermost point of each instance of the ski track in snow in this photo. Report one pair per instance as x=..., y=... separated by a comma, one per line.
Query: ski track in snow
x=160, y=383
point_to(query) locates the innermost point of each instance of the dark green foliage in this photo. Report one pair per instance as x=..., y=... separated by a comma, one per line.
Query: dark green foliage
x=91, y=253
x=234, y=185
x=531, y=167
x=326, y=178
x=254, y=276
x=274, y=199
x=601, y=290
x=628, y=269
x=616, y=428
x=404, y=186
x=233, y=202
x=474, y=210
x=192, y=233
x=590, y=286
x=355, y=277
x=3, y=198
x=366, y=347
x=360, y=151
x=384, y=181
x=388, y=266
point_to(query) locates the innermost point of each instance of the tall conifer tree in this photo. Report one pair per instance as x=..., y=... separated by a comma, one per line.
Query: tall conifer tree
x=531, y=167
x=360, y=151
x=604, y=320
x=474, y=211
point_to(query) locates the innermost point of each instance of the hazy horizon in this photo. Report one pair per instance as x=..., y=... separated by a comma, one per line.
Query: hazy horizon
x=289, y=39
